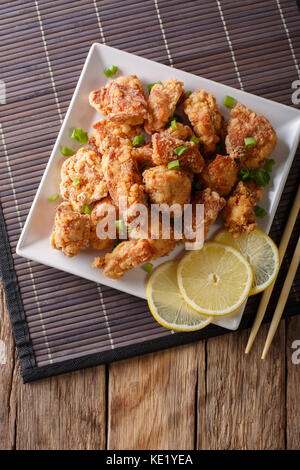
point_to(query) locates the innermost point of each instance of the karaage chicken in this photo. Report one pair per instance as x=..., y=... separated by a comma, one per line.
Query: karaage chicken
x=245, y=123
x=101, y=210
x=239, y=215
x=71, y=231
x=207, y=121
x=122, y=100
x=162, y=102
x=220, y=174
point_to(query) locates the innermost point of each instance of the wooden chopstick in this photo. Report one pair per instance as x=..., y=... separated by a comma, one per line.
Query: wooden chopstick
x=282, y=299
x=267, y=293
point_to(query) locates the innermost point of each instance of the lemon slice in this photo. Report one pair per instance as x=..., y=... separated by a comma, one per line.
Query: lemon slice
x=166, y=303
x=215, y=280
x=260, y=251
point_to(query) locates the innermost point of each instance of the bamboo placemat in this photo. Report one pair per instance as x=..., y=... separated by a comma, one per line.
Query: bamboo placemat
x=62, y=322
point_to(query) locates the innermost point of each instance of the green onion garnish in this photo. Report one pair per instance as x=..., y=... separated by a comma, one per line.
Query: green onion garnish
x=86, y=209
x=151, y=85
x=67, y=152
x=194, y=139
x=76, y=181
x=261, y=177
x=188, y=93
x=229, y=101
x=138, y=140
x=79, y=135
x=120, y=226
x=173, y=124
x=259, y=211
x=148, y=267
x=269, y=165
x=249, y=141
x=174, y=165
x=179, y=150
x=111, y=71
x=53, y=198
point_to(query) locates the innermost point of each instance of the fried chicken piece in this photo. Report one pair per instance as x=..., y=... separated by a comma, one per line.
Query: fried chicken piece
x=163, y=152
x=239, y=215
x=101, y=210
x=213, y=204
x=71, y=231
x=181, y=131
x=108, y=133
x=203, y=112
x=245, y=123
x=162, y=102
x=220, y=174
x=168, y=186
x=130, y=254
x=123, y=177
x=122, y=100
x=82, y=179
x=143, y=155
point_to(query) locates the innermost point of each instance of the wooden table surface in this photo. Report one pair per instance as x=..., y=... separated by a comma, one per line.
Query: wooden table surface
x=207, y=395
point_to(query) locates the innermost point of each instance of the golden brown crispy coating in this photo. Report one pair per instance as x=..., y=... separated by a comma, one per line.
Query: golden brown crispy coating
x=163, y=152
x=203, y=112
x=143, y=155
x=245, y=123
x=71, y=231
x=108, y=133
x=123, y=177
x=220, y=174
x=96, y=216
x=82, y=180
x=162, y=102
x=181, y=131
x=239, y=215
x=168, y=186
x=130, y=254
x=123, y=100
x=213, y=204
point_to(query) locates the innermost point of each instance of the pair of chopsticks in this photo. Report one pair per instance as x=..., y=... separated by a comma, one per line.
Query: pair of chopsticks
x=286, y=286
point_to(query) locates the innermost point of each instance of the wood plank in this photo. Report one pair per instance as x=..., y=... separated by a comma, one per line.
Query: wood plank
x=151, y=399
x=8, y=404
x=243, y=406
x=64, y=412
x=293, y=384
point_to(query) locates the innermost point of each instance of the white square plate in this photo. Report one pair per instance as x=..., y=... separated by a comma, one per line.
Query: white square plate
x=34, y=241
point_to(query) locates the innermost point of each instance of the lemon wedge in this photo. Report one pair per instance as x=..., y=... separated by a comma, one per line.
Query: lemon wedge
x=260, y=251
x=166, y=303
x=215, y=280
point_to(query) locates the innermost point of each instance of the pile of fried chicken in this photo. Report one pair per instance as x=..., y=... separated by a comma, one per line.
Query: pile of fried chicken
x=110, y=167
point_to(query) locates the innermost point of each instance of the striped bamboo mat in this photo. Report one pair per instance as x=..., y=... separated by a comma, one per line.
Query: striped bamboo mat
x=62, y=322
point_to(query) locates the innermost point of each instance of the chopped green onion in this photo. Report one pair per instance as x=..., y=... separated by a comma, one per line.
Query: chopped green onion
x=111, y=71
x=138, y=140
x=67, y=152
x=148, y=267
x=194, y=139
x=196, y=186
x=173, y=124
x=86, y=209
x=120, y=226
x=269, y=165
x=174, y=165
x=53, y=198
x=79, y=135
x=259, y=211
x=179, y=150
x=249, y=141
x=244, y=173
x=188, y=93
x=151, y=85
x=76, y=181
x=229, y=101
